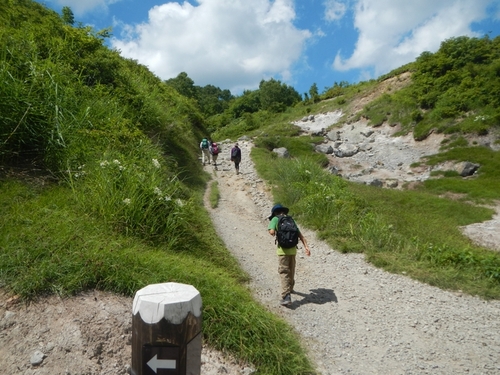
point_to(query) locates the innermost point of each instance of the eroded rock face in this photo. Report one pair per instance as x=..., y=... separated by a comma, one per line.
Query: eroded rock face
x=396, y=162
x=365, y=153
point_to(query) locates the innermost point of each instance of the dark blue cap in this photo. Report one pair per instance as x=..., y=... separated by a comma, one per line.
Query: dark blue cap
x=278, y=207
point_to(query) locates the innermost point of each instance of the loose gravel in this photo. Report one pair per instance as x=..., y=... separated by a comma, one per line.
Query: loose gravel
x=353, y=317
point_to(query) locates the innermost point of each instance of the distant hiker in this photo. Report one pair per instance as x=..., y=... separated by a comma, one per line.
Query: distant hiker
x=205, y=153
x=214, y=151
x=236, y=157
x=287, y=235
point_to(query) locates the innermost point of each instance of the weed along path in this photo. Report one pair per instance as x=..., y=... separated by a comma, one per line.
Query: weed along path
x=353, y=317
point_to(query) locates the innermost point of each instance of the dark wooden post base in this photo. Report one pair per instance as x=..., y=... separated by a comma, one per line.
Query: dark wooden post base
x=166, y=330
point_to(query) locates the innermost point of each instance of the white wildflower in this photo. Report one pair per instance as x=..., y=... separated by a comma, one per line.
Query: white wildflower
x=156, y=163
x=158, y=191
x=127, y=201
x=180, y=202
x=103, y=163
x=117, y=162
x=168, y=198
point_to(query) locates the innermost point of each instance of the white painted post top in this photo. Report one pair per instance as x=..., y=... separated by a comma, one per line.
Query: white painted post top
x=172, y=301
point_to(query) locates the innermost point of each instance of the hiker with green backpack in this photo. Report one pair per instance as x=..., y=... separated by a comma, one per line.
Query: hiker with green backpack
x=287, y=236
x=205, y=152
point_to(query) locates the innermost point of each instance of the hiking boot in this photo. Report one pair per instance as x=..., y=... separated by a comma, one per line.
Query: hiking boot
x=287, y=301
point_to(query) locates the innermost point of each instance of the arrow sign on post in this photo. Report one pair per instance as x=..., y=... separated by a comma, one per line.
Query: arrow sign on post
x=167, y=364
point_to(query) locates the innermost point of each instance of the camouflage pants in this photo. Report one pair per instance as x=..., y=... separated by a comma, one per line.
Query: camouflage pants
x=286, y=270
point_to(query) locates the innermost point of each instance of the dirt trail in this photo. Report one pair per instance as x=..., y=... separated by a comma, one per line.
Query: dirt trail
x=353, y=317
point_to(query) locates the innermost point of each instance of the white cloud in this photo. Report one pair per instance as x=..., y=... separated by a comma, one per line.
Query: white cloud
x=232, y=42
x=393, y=33
x=334, y=10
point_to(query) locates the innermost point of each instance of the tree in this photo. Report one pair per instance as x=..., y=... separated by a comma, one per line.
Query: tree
x=276, y=96
x=313, y=91
x=212, y=100
x=67, y=16
x=249, y=102
x=183, y=85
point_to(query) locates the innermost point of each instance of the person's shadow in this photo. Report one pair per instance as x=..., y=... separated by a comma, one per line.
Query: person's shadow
x=318, y=296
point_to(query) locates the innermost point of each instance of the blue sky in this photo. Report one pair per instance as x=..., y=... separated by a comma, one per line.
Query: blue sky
x=234, y=44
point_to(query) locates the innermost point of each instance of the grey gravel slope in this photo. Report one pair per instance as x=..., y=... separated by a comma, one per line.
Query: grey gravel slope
x=353, y=317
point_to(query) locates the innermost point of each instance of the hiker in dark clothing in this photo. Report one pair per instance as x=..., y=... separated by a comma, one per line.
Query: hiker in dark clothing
x=236, y=157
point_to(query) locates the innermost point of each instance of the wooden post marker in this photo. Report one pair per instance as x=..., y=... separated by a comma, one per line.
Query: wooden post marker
x=166, y=330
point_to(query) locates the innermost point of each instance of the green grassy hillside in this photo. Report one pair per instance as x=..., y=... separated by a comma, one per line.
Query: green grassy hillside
x=453, y=91
x=101, y=187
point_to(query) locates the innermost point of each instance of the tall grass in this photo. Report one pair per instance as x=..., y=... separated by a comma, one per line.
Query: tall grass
x=483, y=187
x=50, y=245
x=134, y=193
x=124, y=211
x=214, y=195
x=412, y=232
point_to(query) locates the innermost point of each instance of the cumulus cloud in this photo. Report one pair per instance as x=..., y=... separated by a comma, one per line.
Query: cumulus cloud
x=393, y=33
x=232, y=42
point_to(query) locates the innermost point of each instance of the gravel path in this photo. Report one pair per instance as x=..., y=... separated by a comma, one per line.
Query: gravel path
x=353, y=317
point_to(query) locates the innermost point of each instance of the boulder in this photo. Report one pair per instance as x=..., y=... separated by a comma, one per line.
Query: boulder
x=318, y=133
x=282, y=152
x=333, y=135
x=346, y=150
x=334, y=170
x=463, y=168
x=466, y=168
x=392, y=184
x=367, y=133
x=377, y=183
x=37, y=358
x=324, y=149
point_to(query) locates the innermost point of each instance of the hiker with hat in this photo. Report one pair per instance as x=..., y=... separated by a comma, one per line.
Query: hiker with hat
x=287, y=236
